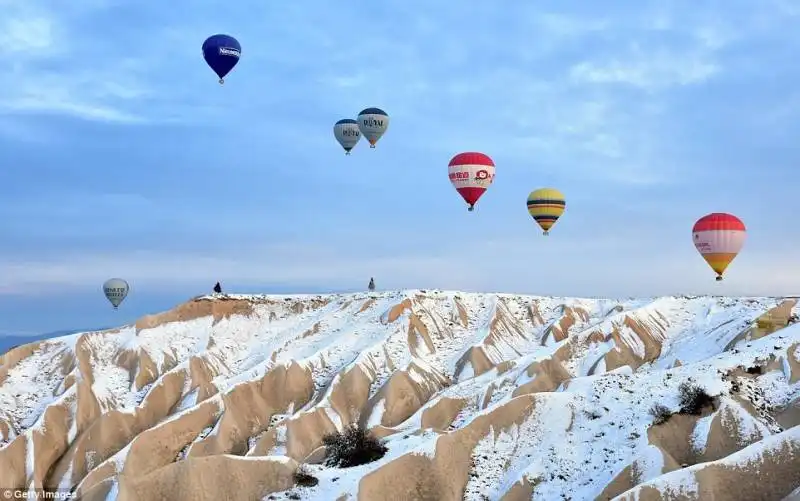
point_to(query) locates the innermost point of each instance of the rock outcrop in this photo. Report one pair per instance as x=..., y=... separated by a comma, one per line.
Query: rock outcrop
x=476, y=396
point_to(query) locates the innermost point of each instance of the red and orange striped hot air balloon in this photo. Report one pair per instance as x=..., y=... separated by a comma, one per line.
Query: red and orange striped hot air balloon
x=719, y=237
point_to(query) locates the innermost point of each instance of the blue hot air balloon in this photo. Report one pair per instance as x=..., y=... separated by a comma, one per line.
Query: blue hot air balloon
x=221, y=52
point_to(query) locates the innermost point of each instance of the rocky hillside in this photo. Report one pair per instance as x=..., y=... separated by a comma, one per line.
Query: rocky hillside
x=477, y=396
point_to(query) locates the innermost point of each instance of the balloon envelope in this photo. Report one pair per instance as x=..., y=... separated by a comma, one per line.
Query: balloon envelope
x=373, y=123
x=115, y=289
x=719, y=237
x=471, y=174
x=546, y=205
x=221, y=53
x=347, y=133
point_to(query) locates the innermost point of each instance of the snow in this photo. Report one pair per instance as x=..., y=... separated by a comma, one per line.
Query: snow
x=579, y=437
x=592, y=362
x=793, y=496
x=696, y=341
x=334, y=417
x=677, y=484
x=756, y=451
x=113, y=492
x=650, y=463
x=377, y=413
x=749, y=429
x=776, y=388
x=70, y=341
x=334, y=482
x=118, y=460
x=683, y=481
x=111, y=382
x=630, y=338
x=467, y=372
x=216, y=399
x=273, y=458
x=172, y=339
x=90, y=454
x=73, y=430
x=187, y=401
x=599, y=366
x=280, y=441
x=30, y=457
x=701, y=431
x=503, y=457
x=30, y=385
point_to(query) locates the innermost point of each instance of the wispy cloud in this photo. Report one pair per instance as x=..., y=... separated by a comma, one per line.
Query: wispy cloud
x=29, y=36
x=648, y=70
x=690, y=54
x=56, y=67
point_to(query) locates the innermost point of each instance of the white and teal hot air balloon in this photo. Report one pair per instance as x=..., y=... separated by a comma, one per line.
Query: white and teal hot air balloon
x=115, y=289
x=373, y=123
x=347, y=133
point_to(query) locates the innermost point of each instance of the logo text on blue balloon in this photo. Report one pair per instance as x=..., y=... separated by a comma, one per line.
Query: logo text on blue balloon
x=227, y=51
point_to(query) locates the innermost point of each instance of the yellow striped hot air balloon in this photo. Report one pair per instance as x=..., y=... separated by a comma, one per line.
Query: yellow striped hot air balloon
x=546, y=205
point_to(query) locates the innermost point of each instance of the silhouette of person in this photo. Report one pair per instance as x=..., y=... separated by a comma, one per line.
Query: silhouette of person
x=371, y=285
x=218, y=288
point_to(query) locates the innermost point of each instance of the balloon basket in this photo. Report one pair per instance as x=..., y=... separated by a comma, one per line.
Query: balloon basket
x=719, y=278
x=221, y=81
x=471, y=208
x=546, y=233
x=372, y=146
x=346, y=152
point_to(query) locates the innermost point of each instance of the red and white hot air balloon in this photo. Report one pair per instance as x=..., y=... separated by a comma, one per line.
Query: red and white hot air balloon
x=719, y=237
x=471, y=174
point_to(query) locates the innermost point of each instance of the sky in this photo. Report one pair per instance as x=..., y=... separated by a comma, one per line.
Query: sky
x=122, y=156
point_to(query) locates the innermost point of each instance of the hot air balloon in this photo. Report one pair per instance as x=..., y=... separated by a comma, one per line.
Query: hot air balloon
x=347, y=133
x=546, y=205
x=719, y=237
x=221, y=52
x=115, y=289
x=471, y=174
x=373, y=123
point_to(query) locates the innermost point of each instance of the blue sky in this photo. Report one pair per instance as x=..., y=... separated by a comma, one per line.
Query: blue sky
x=122, y=156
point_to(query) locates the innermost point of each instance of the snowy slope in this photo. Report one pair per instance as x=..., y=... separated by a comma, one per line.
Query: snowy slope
x=478, y=396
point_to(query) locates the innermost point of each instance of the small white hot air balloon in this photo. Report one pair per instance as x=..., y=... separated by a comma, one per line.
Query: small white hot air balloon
x=373, y=123
x=347, y=133
x=115, y=289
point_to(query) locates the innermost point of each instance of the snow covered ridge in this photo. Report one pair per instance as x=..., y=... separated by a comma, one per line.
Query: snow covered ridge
x=477, y=396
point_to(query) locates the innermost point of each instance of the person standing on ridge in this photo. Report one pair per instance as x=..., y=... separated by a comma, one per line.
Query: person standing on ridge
x=371, y=285
x=218, y=288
